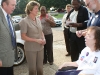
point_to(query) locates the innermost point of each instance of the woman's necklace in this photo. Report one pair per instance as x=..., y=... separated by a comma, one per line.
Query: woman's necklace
x=34, y=20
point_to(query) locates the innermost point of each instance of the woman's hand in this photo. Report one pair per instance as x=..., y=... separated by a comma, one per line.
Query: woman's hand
x=48, y=20
x=41, y=41
x=51, y=21
x=44, y=42
x=79, y=33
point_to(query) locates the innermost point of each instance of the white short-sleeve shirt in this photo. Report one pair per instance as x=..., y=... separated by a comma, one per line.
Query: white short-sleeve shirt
x=89, y=62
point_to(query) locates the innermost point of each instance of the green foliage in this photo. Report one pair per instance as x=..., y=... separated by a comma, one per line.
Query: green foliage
x=60, y=15
x=20, y=7
x=54, y=3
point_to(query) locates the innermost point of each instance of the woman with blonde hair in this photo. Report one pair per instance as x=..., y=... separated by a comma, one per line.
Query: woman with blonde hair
x=66, y=29
x=31, y=32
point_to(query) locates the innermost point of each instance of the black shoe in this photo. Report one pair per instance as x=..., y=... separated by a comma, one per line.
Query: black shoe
x=51, y=63
x=67, y=55
x=44, y=63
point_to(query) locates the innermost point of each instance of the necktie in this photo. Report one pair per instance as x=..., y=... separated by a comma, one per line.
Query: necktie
x=89, y=22
x=11, y=32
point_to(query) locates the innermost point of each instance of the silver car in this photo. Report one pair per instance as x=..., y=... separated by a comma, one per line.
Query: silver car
x=57, y=21
x=16, y=19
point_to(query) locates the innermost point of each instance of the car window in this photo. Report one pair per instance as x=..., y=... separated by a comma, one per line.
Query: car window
x=17, y=27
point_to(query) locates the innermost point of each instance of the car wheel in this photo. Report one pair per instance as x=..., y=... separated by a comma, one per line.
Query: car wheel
x=21, y=55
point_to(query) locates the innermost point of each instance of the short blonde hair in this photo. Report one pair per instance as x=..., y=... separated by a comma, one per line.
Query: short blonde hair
x=68, y=5
x=30, y=6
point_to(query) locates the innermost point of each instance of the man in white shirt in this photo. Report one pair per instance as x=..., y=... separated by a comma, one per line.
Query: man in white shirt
x=77, y=17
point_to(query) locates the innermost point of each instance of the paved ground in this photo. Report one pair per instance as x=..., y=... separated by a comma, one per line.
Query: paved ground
x=59, y=56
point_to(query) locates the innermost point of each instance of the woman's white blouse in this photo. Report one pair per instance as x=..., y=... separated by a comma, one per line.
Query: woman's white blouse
x=89, y=62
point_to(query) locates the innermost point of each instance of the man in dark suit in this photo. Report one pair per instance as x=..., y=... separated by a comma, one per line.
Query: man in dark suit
x=7, y=37
x=94, y=19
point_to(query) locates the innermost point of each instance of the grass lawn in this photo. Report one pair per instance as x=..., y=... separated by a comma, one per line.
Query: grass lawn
x=60, y=15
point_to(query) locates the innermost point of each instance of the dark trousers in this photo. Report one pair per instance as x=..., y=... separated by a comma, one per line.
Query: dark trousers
x=66, y=37
x=48, y=48
x=6, y=71
x=76, y=46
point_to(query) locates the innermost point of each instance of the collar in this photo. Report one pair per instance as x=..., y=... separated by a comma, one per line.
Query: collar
x=4, y=12
x=97, y=12
x=30, y=18
x=80, y=7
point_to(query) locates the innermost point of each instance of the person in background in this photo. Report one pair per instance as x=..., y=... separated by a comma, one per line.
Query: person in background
x=66, y=29
x=89, y=59
x=47, y=22
x=76, y=21
x=31, y=32
x=7, y=37
x=94, y=6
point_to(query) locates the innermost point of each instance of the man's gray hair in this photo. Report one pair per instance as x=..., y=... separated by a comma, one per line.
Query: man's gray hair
x=98, y=1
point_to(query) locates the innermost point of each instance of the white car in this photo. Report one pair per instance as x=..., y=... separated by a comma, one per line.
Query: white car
x=16, y=19
x=57, y=21
x=20, y=46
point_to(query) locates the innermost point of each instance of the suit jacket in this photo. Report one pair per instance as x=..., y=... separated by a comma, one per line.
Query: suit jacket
x=32, y=30
x=6, y=48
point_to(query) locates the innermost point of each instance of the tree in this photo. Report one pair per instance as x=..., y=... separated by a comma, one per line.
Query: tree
x=20, y=7
x=54, y=3
x=21, y=4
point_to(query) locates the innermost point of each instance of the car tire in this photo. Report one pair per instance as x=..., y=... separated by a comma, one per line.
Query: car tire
x=21, y=55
